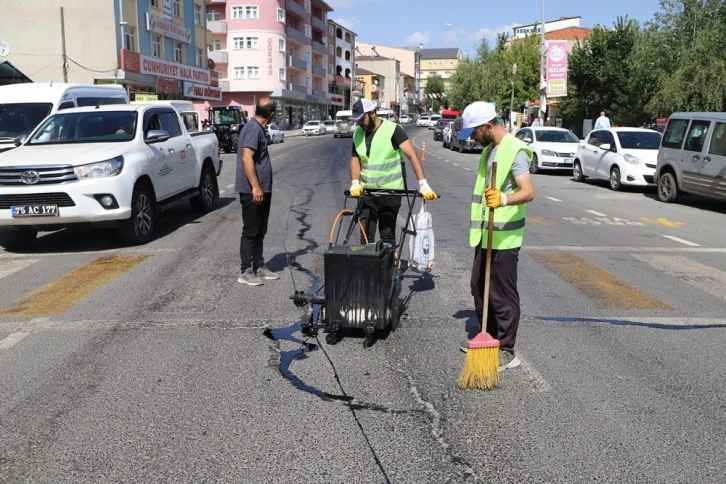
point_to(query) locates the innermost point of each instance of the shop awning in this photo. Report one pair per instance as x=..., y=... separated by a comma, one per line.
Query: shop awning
x=9, y=74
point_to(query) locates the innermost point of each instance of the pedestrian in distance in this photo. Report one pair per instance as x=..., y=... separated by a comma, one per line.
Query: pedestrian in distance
x=254, y=184
x=376, y=162
x=513, y=191
x=603, y=122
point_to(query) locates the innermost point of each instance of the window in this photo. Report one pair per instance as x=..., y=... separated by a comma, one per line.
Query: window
x=213, y=16
x=129, y=38
x=66, y=105
x=607, y=137
x=280, y=15
x=347, y=37
x=308, y=31
x=308, y=57
x=245, y=12
x=696, y=136
x=253, y=72
x=178, y=52
x=330, y=68
x=339, y=52
x=331, y=49
x=246, y=43
x=281, y=45
x=197, y=15
x=331, y=31
x=239, y=72
x=238, y=12
x=347, y=55
x=251, y=12
x=176, y=7
x=282, y=73
x=199, y=58
x=217, y=45
x=239, y=43
x=191, y=121
x=339, y=33
x=639, y=140
x=155, y=3
x=594, y=138
x=718, y=140
x=156, y=46
x=307, y=5
x=307, y=82
x=674, y=133
x=170, y=123
x=252, y=42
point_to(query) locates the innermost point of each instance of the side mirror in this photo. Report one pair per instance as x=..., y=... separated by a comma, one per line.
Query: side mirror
x=527, y=140
x=606, y=146
x=20, y=140
x=156, y=136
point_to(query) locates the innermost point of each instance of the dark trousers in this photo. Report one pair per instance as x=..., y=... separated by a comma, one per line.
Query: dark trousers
x=254, y=228
x=382, y=211
x=503, y=318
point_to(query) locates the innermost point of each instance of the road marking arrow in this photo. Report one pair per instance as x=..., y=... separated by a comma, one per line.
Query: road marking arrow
x=663, y=221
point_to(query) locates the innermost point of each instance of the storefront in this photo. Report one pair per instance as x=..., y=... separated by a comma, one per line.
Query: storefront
x=294, y=109
x=337, y=103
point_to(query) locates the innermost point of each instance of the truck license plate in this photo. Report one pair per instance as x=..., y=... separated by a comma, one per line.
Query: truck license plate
x=34, y=211
x=568, y=161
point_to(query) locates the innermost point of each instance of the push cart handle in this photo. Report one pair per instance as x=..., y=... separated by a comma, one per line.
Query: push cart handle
x=389, y=191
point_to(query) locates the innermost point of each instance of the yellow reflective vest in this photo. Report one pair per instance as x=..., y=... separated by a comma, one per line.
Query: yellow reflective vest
x=382, y=168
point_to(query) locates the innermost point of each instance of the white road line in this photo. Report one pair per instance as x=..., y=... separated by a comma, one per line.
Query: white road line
x=11, y=266
x=553, y=199
x=161, y=250
x=596, y=213
x=704, y=277
x=533, y=377
x=456, y=164
x=576, y=248
x=221, y=192
x=685, y=242
x=467, y=169
x=231, y=185
x=12, y=339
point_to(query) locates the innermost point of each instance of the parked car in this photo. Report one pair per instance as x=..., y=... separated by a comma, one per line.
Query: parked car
x=329, y=126
x=439, y=129
x=462, y=146
x=343, y=126
x=446, y=138
x=422, y=121
x=404, y=119
x=275, y=134
x=314, y=127
x=118, y=166
x=554, y=148
x=433, y=119
x=692, y=156
x=624, y=156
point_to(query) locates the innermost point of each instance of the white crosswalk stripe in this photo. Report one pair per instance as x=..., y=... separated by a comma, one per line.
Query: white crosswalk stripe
x=10, y=266
x=704, y=277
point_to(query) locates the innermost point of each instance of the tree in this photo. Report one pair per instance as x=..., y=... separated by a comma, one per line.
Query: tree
x=435, y=86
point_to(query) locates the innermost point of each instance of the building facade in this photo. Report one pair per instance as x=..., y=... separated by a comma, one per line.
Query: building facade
x=341, y=63
x=370, y=85
x=391, y=96
x=442, y=62
x=410, y=59
x=156, y=48
x=523, y=31
x=272, y=48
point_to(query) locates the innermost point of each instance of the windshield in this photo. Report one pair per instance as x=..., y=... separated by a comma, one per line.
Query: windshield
x=226, y=116
x=88, y=127
x=20, y=119
x=639, y=140
x=312, y=123
x=435, y=116
x=554, y=136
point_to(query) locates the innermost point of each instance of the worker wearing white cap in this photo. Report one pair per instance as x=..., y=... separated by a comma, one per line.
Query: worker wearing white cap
x=512, y=190
x=376, y=162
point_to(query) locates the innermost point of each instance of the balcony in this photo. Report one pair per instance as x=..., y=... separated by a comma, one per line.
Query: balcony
x=297, y=36
x=224, y=86
x=296, y=63
x=318, y=47
x=295, y=8
x=218, y=56
x=320, y=93
x=320, y=24
x=319, y=71
x=296, y=88
x=217, y=26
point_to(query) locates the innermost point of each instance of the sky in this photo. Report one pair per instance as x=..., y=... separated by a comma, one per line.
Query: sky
x=411, y=22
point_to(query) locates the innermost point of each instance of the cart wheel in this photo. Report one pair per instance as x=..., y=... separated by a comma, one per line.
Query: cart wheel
x=369, y=340
x=395, y=311
x=334, y=337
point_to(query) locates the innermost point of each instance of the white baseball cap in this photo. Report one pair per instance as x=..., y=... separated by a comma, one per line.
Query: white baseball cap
x=360, y=108
x=476, y=114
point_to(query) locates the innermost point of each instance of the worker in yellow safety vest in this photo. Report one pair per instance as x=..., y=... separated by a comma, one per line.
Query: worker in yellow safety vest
x=513, y=189
x=376, y=162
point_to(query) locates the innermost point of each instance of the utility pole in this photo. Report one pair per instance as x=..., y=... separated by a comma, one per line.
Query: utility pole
x=511, y=103
x=543, y=62
x=63, y=46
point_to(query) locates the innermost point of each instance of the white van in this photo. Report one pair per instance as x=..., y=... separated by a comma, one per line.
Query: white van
x=185, y=110
x=343, y=126
x=24, y=106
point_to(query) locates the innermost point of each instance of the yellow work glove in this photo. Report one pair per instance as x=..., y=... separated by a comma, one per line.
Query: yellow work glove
x=425, y=190
x=355, y=189
x=495, y=198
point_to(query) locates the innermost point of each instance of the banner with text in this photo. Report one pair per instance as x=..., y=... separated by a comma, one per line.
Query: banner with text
x=168, y=28
x=135, y=62
x=556, y=68
x=166, y=7
x=200, y=91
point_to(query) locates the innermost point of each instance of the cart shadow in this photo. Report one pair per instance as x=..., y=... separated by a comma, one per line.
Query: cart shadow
x=472, y=325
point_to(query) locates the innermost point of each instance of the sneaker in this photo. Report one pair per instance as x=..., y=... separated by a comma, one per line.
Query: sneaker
x=508, y=361
x=266, y=273
x=250, y=278
x=464, y=346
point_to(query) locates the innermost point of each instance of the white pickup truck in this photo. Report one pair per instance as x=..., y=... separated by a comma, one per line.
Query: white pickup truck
x=106, y=166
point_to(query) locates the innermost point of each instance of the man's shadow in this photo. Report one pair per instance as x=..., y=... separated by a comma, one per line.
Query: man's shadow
x=472, y=324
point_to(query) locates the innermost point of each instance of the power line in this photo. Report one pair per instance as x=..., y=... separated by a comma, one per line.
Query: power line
x=91, y=70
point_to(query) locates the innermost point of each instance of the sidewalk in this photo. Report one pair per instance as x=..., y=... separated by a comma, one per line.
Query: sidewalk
x=292, y=133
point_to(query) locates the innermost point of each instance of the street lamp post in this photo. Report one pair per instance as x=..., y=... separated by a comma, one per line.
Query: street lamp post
x=543, y=61
x=511, y=103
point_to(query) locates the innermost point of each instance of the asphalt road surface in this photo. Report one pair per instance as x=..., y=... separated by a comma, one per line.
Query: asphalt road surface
x=150, y=364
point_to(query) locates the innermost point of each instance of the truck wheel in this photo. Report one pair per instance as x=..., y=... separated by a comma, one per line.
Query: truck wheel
x=139, y=228
x=667, y=188
x=204, y=202
x=17, y=239
x=234, y=140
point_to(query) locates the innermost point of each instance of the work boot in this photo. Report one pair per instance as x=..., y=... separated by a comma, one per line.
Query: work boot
x=508, y=361
x=266, y=273
x=250, y=278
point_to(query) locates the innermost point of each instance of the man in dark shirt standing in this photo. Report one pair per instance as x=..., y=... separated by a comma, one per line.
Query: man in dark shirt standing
x=376, y=162
x=254, y=185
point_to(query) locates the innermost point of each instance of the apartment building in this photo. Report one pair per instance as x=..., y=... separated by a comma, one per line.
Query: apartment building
x=370, y=85
x=410, y=59
x=156, y=48
x=439, y=61
x=523, y=31
x=271, y=48
x=390, y=95
x=341, y=62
